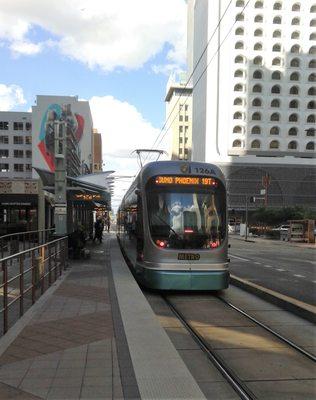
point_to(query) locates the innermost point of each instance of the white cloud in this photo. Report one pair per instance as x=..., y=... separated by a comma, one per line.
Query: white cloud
x=123, y=130
x=10, y=97
x=108, y=34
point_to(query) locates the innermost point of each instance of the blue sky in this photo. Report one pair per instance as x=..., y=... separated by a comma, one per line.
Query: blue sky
x=117, y=54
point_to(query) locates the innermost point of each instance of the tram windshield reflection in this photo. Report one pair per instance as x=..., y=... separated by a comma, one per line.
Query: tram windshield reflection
x=187, y=218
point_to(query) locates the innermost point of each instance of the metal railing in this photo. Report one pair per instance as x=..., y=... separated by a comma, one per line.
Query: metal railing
x=26, y=275
x=14, y=242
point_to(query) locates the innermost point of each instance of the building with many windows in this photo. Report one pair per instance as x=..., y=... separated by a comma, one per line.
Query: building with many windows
x=179, y=117
x=254, y=106
x=15, y=145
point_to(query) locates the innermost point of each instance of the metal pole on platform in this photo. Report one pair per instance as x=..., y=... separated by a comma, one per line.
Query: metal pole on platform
x=60, y=141
x=246, y=222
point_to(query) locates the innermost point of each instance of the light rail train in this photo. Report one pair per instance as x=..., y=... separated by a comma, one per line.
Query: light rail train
x=172, y=226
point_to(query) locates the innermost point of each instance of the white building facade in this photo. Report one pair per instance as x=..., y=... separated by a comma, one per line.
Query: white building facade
x=255, y=104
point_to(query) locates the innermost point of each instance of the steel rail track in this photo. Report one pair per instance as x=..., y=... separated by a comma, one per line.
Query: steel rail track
x=267, y=328
x=240, y=388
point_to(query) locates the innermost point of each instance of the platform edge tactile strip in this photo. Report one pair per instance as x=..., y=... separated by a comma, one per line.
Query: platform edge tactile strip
x=160, y=371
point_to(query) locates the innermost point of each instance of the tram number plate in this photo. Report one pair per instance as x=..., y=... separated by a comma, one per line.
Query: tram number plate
x=188, y=256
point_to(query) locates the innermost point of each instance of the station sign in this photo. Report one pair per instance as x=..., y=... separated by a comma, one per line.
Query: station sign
x=88, y=197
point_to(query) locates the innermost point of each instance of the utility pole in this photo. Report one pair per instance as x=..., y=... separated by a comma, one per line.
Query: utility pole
x=60, y=149
x=246, y=222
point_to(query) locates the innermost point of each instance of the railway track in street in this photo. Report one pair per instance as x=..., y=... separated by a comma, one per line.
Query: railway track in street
x=232, y=339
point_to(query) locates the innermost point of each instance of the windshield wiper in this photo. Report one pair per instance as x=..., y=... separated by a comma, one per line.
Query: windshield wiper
x=166, y=224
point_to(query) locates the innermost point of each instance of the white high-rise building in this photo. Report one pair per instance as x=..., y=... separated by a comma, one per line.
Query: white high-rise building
x=255, y=104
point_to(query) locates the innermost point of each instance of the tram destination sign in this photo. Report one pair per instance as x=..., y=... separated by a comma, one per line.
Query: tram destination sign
x=185, y=180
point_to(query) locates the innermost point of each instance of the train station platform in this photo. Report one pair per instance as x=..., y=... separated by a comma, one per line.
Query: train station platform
x=93, y=335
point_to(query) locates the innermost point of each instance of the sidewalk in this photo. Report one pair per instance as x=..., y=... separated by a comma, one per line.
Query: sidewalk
x=68, y=349
x=273, y=242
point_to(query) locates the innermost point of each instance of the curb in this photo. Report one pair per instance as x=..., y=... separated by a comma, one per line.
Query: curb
x=297, y=307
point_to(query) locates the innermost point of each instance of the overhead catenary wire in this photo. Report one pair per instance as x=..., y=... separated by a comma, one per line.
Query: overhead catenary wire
x=201, y=75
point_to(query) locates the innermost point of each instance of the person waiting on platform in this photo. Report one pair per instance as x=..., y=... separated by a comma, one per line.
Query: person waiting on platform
x=108, y=223
x=98, y=229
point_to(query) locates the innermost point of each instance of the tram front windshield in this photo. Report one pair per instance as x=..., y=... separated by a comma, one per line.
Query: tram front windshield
x=185, y=216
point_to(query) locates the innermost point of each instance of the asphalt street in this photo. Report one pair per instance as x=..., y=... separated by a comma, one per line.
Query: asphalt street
x=276, y=265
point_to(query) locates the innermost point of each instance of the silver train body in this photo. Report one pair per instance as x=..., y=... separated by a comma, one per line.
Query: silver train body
x=172, y=226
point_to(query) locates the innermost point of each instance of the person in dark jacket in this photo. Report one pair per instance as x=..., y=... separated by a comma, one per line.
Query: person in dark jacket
x=98, y=229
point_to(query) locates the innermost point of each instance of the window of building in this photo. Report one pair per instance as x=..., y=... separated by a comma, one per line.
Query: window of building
x=276, y=33
x=257, y=74
x=312, y=64
x=310, y=146
x=238, y=101
x=311, y=118
x=255, y=144
x=236, y=143
x=294, y=76
x=295, y=62
x=18, y=167
x=239, y=73
x=313, y=23
x=295, y=35
x=295, y=21
x=257, y=60
x=4, y=139
x=180, y=118
x=238, y=129
x=275, y=103
x=18, y=154
x=293, y=118
x=292, y=132
x=186, y=130
x=312, y=91
x=257, y=89
x=28, y=167
x=277, y=20
x=18, y=139
x=257, y=46
x=4, y=153
x=259, y=4
x=239, y=31
x=258, y=18
x=312, y=78
x=295, y=49
x=256, y=130
x=28, y=126
x=276, y=89
x=238, y=88
x=239, y=45
x=311, y=105
x=240, y=3
x=186, y=107
x=294, y=90
x=258, y=32
x=274, y=144
x=277, y=6
x=313, y=9
x=292, y=145
x=4, y=125
x=238, y=115
x=276, y=47
x=256, y=116
x=293, y=104
x=276, y=75
x=18, y=126
x=186, y=118
x=240, y=17
x=4, y=167
x=275, y=117
x=312, y=36
x=180, y=150
x=28, y=153
x=296, y=7
x=28, y=139
x=256, y=102
x=310, y=132
x=276, y=61
x=274, y=130
x=312, y=50
x=180, y=139
x=239, y=60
